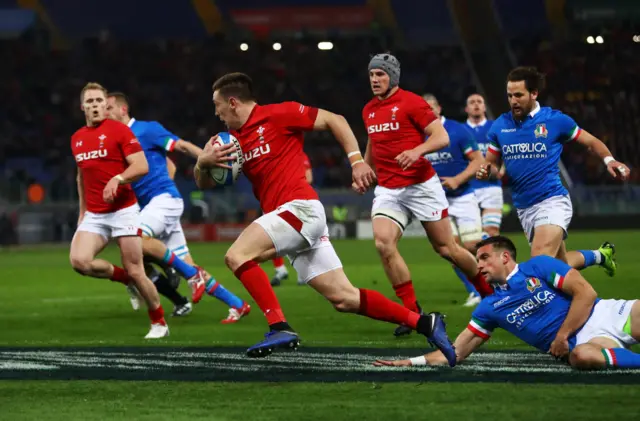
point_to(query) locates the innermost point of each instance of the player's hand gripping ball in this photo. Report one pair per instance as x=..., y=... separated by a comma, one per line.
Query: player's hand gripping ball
x=226, y=171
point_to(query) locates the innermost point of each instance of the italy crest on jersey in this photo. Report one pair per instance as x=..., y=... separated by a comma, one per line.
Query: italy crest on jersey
x=533, y=284
x=541, y=130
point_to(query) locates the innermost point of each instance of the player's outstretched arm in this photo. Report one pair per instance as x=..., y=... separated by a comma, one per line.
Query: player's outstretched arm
x=583, y=297
x=187, y=148
x=363, y=176
x=475, y=161
x=466, y=343
x=597, y=147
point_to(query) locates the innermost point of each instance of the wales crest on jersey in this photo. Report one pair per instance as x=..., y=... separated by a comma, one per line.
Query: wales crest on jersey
x=541, y=130
x=533, y=284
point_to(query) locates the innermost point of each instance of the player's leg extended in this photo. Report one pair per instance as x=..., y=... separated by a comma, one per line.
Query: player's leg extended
x=336, y=288
x=547, y=240
x=604, y=256
x=386, y=234
x=131, y=254
x=612, y=328
x=181, y=305
x=85, y=246
x=444, y=243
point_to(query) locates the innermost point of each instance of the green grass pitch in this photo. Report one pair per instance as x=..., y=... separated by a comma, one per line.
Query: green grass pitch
x=46, y=304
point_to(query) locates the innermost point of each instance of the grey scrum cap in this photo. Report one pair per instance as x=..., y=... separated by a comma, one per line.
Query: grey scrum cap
x=388, y=64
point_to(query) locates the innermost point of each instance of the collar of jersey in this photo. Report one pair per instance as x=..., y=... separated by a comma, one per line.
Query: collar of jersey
x=473, y=126
x=246, y=123
x=535, y=110
x=513, y=272
x=131, y=121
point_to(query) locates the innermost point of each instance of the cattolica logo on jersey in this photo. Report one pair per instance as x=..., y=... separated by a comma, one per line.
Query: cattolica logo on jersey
x=541, y=130
x=85, y=156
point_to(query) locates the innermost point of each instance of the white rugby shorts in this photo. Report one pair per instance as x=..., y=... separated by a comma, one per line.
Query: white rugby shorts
x=298, y=230
x=556, y=210
x=490, y=197
x=465, y=217
x=425, y=201
x=160, y=219
x=121, y=223
x=607, y=321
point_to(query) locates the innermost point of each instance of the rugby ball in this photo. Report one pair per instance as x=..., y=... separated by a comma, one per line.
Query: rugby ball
x=225, y=176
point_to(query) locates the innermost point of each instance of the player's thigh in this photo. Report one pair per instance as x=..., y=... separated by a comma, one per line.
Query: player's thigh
x=467, y=220
x=386, y=232
x=426, y=201
x=176, y=242
x=387, y=206
x=160, y=217
x=610, y=324
x=85, y=246
x=547, y=240
x=440, y=233
x=131, y=254
x=253, y=243
x=554, y=211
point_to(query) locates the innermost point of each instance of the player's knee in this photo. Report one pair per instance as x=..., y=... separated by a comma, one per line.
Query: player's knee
x=81, y=264
x=234, y=260
x=586, y=357
x=386, y=246
x=346, y=300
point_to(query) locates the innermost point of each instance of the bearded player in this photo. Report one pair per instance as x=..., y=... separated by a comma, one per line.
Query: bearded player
x=408, y=188
x=488, y=192
x=109, y=159
x=278, y=263
x=162, y=208
x=550, y=306
x=294, y=222
x=529, y=140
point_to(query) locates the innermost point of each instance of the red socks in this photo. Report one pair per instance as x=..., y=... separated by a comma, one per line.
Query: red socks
x=120, y=275
x=377, y=306
x=407, y=294
x=157, y=316
x=481, y=285
x=278, y=261
x=256, y=282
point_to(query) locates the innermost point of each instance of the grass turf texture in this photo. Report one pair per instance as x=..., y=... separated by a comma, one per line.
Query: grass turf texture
x=47, y=304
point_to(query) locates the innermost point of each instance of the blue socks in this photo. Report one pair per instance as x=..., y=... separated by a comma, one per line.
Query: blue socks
x=215, y=289
x=184, y=269
x=622, y=358
x=467, y=285
x=591, y=257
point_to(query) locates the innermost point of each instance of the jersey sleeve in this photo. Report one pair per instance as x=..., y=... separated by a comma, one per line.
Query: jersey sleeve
x=469, y=143
x=162, y=138
x=295, y=116
x=568, y=129
x=492, y=138
x=128, y=142
x=549, y=269
x=420, y=113
x=482, y=323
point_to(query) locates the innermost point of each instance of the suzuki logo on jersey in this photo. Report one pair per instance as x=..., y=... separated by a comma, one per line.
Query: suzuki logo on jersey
x=439, y=157
x=524, y=151
x=85, y=156
x=524, y=310
x=256, y=152
x=384, y=127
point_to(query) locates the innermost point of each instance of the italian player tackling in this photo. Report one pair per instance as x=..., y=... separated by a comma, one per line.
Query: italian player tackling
x=109, y=159
x=408, y=188
x=529, y=141
x=550, y=306
x=294, y=221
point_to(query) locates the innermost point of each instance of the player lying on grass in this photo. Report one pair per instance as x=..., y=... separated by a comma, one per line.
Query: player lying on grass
x=550, y=306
